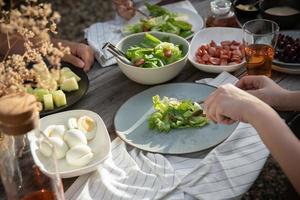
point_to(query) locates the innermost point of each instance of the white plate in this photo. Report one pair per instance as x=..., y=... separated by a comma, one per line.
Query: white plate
x=100, y=145
x=191, y=17
x=134, y=130
x=217, y=34
x=287, y=70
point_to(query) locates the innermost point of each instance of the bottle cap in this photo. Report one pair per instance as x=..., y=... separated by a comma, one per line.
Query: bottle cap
x=220, y=7
x=18, y=113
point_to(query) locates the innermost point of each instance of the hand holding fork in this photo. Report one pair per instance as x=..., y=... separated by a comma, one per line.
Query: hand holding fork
x=125, y=8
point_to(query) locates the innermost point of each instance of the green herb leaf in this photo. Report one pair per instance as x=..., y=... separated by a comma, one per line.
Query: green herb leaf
x=173, y=114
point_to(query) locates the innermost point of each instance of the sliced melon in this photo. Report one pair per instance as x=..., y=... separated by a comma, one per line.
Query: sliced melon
x=52, y=85
x=41, y=69
x=55, y=74
x=29, y=90
x=48, y=102
x=69, y=84
x=59, y=98
x=66, y=72
x=69, y=74
x=39, y=93
x=65, y=69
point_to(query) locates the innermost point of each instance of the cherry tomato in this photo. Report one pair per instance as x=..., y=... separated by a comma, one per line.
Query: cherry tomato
x=139, y=62
x=167, y=53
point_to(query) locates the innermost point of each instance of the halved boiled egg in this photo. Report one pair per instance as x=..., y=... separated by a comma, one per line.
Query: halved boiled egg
x=60, y=147
x=79, y=155
x=75, y=137
x=45, y=147
x=72, y=123
x=88, y=126
x=55, y=131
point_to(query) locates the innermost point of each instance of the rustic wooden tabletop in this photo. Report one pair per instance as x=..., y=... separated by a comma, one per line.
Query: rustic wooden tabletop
x=110, y=88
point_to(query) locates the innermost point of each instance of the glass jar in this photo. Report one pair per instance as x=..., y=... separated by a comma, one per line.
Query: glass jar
x=21, y=177
x=221, y=14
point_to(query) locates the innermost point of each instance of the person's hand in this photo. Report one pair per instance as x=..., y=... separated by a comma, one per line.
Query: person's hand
x=125, y=8
x=265, y=89
x=81, y=56
x=229, y=104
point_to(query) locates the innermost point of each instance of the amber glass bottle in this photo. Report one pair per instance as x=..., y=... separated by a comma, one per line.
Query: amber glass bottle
x=21, y=177
x=221, y=15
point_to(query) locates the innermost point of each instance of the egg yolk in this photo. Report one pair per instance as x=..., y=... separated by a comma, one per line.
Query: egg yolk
x=88, y=124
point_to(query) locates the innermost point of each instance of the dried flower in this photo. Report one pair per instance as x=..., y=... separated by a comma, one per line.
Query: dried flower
x=32, y=23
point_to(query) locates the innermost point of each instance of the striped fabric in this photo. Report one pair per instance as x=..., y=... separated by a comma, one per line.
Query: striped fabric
x=224, y=172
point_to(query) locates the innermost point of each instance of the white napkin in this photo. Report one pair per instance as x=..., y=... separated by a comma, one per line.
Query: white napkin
x=227, y=171
x=100, y=33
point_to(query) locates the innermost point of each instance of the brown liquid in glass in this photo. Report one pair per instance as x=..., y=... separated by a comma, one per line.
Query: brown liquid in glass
x=40, y=195
x=259, y=59
x=39, y=187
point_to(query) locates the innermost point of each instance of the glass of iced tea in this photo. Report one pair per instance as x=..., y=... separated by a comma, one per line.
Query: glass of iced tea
x=260, y=37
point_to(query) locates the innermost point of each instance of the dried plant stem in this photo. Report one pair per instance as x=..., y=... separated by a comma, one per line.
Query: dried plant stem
x=10, y=48
x=29, y=26
x=8, y=40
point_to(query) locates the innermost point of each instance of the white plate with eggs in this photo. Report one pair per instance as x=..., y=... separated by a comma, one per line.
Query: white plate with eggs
x=80, y=140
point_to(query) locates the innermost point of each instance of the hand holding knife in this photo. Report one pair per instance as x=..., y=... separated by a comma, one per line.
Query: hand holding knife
x=128, y=8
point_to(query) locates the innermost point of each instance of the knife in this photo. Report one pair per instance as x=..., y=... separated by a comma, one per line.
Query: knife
x=160, y=3
x=166, y=2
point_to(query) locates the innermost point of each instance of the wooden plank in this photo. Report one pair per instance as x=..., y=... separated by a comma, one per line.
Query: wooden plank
x=291, y=82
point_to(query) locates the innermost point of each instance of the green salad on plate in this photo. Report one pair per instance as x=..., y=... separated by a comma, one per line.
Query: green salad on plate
x=161, y=20
x=171, y=113
x=153, y=53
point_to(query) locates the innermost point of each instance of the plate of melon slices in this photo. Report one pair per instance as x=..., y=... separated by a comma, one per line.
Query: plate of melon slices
x=61, y=89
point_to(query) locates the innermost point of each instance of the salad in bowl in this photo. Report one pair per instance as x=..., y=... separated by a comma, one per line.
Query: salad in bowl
x=153, y=53
x=155, y=57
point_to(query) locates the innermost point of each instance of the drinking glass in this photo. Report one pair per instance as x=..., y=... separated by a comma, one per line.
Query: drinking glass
x=260, y=37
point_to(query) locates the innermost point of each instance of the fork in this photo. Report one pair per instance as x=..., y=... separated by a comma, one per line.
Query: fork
x=116, y=52
x=142, y=13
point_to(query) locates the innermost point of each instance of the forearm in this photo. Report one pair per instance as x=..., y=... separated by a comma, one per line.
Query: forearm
x=281, y=142
x=15, y=45
x=292, y=101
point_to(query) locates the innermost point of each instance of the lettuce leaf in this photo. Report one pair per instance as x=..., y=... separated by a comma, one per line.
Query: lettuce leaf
x=161, y=20
x=156, y=10
x=173, y=114
x=153, y=52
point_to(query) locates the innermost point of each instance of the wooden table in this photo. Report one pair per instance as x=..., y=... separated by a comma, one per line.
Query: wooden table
x=110, y=88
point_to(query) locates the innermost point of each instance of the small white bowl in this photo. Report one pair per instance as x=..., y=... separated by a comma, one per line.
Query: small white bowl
x=100, y=145
x=218, y=34
x=151, y=76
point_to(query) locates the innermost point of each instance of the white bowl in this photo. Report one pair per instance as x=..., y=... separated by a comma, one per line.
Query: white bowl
x=151, y=76
x=218, y=34
x=100, y=145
